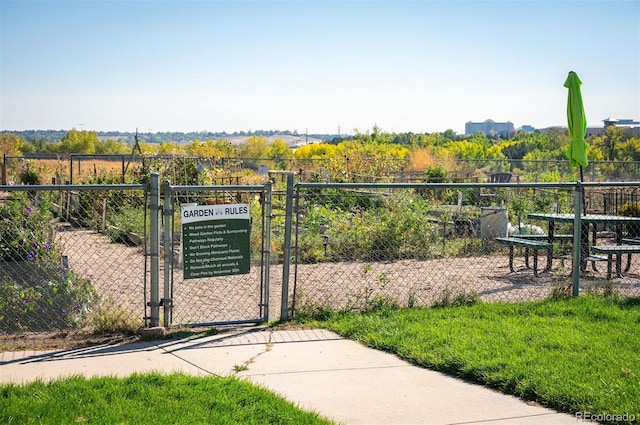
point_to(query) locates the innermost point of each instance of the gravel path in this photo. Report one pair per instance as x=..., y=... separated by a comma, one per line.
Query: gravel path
x=118, y=271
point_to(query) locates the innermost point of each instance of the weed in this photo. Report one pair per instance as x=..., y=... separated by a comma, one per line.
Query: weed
x=608, y=289
x=305, y=307
x=110, y=318
x=451, y=298
x=561, y=291
x=411, y=299
x=370, y=298
x=240, y=368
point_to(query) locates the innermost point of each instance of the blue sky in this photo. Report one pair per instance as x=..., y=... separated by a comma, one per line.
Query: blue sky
x=316, y=66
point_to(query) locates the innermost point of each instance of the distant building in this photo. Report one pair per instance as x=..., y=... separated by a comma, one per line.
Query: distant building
x=620, y=123
x=528, y=128
x=490, y=128
x=626, y=123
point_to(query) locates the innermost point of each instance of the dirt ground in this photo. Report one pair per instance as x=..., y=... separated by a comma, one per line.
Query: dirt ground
x=121, y=274
x=118, y=272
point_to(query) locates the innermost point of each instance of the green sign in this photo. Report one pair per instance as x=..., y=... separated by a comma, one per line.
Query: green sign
x=215, y=240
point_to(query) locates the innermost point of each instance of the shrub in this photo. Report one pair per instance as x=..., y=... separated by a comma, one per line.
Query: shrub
x=436, y=174
x=630, y=209
x=399, y=229
x=125, y=222
x=51, y=298
x=124, y=212
x=26, y=235
x=344, y=199
x=28, y=173
x=37, y=289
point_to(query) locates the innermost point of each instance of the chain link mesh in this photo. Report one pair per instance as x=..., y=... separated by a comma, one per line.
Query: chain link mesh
x=363, y=247
x=72, y=259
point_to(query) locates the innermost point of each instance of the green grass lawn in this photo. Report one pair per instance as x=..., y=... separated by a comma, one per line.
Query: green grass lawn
x=573, y=355
x=147, y=399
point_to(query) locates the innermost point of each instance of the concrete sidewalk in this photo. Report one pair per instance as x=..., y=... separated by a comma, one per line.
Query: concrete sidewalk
x=316, y=369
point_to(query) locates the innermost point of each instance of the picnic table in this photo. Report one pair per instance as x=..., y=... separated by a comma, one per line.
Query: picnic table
x=589, y=223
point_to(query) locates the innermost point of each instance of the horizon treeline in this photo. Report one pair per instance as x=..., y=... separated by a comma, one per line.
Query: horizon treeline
x=616, y=143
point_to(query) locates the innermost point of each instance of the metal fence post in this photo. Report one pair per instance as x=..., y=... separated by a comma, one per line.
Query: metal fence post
x=167, y=301
x=266, y=245
x=154, y=249
x=4, y=169
x=577, y=240
x=286, y=249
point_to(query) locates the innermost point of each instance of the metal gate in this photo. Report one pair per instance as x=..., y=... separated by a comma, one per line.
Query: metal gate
x=214, y=296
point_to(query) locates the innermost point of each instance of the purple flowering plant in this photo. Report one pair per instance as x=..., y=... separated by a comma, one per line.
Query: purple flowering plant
x=38, y=291
x=29, y=173
x=25, y=233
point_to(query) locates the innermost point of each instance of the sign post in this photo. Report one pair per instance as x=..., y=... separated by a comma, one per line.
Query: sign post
x=216, y=240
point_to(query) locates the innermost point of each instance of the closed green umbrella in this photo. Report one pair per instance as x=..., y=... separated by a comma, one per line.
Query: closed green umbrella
x=577, y=154
x=577, y=150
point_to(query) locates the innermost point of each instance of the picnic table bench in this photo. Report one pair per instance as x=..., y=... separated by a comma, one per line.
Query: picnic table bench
x=563, y=239
x=527, y=244
x=618, y=251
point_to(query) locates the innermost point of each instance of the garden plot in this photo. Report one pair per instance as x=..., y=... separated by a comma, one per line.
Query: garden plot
x=117, y=272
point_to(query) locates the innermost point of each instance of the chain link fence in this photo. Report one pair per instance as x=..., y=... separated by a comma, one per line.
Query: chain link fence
x=361, y=246
x=72, y=257
x=78, y=256
x=187, y=170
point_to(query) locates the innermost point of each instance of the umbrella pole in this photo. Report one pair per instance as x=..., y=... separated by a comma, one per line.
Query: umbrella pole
x=584, y=201
x=580, y=228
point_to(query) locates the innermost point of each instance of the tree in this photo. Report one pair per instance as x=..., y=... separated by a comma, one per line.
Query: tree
x=372, y=159
x=254, y=147
x=11, y=144
x=147, y=148
x=559, y=138
x=225, y=148
x=170, y=148
x=36, y=145
x=421, y=158
x=629, y=150
x=524, y=143
x=376, y=136
x=611, y=138
x=315, y=151
x=110, y=147
x=280, y=152
x=450, y=134
x=78, y=142
x=467, y=149
x=197, y=148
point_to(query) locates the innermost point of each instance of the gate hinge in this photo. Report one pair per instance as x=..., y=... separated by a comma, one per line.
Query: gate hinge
x=163, y=302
